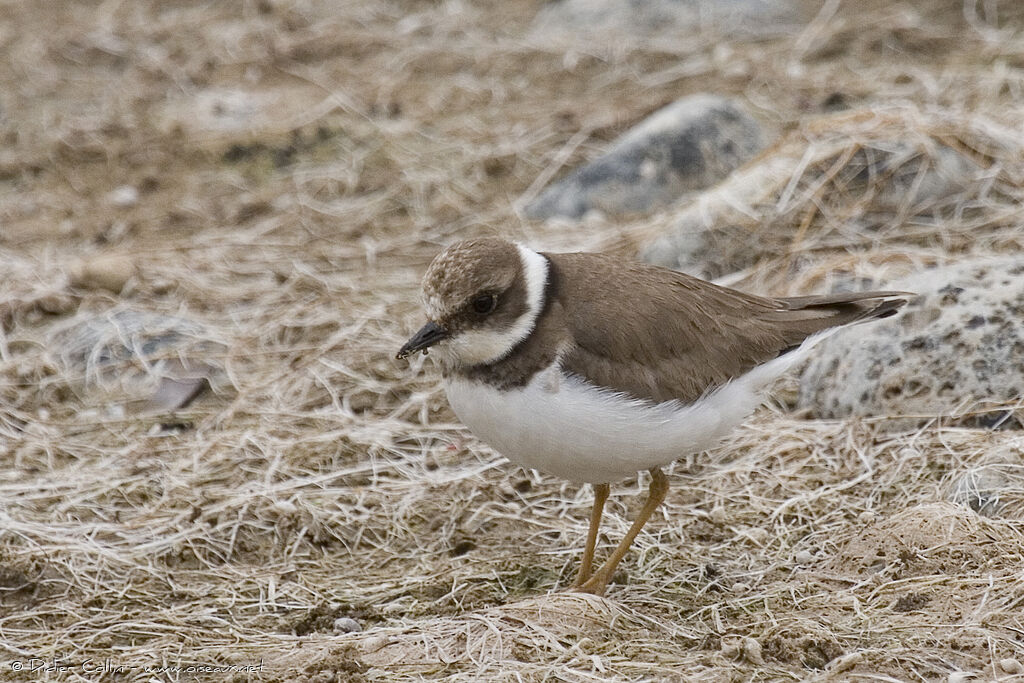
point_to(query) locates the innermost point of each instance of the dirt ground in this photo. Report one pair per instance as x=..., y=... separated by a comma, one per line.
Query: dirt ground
x=281, y=172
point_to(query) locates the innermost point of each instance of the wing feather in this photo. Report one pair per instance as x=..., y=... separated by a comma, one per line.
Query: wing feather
x=681, y=335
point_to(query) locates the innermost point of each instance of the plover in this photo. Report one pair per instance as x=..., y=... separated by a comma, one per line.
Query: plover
x=592, y=368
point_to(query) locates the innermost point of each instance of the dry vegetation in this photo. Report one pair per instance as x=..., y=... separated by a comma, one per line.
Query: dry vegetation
x=297, y=164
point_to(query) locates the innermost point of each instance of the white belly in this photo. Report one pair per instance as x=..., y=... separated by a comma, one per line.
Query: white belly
x=564, y=426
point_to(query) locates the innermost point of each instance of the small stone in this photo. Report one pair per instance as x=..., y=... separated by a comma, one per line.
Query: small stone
x=109, y=272
x=144, y=360
x=804, y=557
x=718, y=515
x=987, y=488
x=757, y=535
x=845, y=663
x=732, y=648
x=752, y=651
x=124, y=197
x=740, y=587
x=1011, y=665
x=347, y=625
x=56, y=304
x=361, y=401
x=162, y=286
x=373, y=644
x=866, y=517
x=286, y=507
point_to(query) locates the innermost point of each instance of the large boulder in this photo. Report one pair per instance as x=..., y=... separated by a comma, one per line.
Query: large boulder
x=957, y=350
x=685, y=146
x=850, y=181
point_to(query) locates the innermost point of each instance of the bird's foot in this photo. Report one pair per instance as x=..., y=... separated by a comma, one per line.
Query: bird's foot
x=595, y=585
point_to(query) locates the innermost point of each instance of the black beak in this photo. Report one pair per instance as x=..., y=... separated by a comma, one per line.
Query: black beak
x=429, y=334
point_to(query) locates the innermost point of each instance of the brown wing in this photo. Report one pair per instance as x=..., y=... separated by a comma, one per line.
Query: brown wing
x=658, y=334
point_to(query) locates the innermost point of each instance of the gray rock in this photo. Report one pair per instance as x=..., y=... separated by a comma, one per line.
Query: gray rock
x=687, y=145
x=712, y=244
x=959, y=345
x=839, y=182
x=151, y=360
x=347, y=625
x=581, y=20
x=994, y=490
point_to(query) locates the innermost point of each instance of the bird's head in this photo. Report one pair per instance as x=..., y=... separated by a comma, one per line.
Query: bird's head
x=482, y=298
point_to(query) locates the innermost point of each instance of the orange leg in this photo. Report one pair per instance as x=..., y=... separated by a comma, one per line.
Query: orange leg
x=600, y=496
x=597, y=583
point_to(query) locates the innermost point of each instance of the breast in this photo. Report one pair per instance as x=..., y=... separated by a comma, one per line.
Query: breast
x=562, y=425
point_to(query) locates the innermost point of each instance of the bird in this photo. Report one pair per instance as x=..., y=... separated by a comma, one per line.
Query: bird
x=593, y=367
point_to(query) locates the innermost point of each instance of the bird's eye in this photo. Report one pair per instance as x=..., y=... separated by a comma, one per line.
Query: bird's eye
x=484, y=304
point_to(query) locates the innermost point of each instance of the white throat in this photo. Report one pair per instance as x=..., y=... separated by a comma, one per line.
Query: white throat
x=474, y=347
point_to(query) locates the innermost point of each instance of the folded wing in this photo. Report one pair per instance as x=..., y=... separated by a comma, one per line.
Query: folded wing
x=682, y=335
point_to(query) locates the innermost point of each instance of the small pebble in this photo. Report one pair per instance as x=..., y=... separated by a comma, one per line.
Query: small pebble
x=347, y=625
x=845, y=663
x=866, y=517
x=752, y=651
x=124, y=197
x=731, y=648
x=162, y=286
x=757, y=535
x=718, y=515
x=373, y=644
x=740, y=587
x=107, y=271
x=1011, y=665
x=980, y=488
x=56, y=304
x=804, y=557
x=286, y=507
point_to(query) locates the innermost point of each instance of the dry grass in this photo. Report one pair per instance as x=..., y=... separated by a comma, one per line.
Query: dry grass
x=298, y=164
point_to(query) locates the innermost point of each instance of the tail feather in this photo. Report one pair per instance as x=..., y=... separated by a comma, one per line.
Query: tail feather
x=807, y=315
x=885, y=309
x=816, y=300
